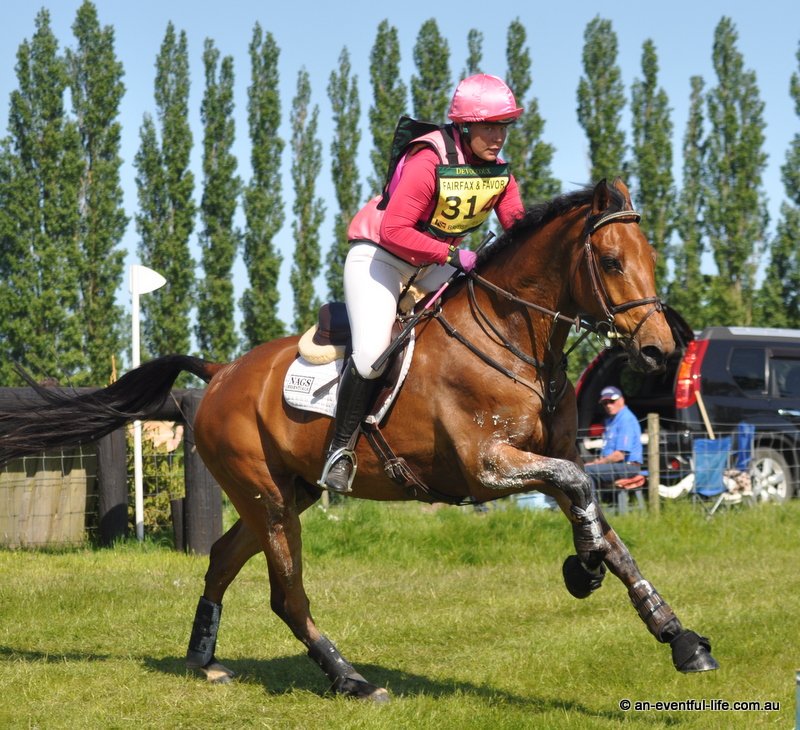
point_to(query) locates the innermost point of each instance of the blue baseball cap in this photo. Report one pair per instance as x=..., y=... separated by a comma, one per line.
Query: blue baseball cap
x=610, y=393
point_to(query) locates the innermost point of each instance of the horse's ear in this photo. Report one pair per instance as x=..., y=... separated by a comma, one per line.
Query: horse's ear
x=623, y=188
x=601, y=197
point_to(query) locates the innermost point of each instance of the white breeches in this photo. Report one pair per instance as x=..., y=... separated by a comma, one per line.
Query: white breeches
x=373, y=282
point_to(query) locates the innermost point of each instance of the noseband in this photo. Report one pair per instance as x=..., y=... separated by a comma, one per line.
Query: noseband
x=611, y=310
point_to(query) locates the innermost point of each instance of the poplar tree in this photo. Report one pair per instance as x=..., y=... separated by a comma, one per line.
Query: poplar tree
x=736, y=212
x=530, y=157
x=263, y=202
x=687, y=290
x=219, y=238
x=389, y=101
x=653, y=187
x=343, y=94
x=601, y=99
x=40, y=176
x=166, y=210
x=308, y=210
x=96, y=89
x=431, y=86
x=779, y=298
x=474, y=53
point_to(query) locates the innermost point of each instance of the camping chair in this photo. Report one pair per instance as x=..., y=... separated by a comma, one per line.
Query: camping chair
x=710, y=460
x=740, y=478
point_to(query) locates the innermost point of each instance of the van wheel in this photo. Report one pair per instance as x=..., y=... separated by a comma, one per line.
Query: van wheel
x=770, y=476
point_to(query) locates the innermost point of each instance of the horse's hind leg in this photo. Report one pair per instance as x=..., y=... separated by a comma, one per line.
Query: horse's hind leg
x=690, y=651
x=227, y=558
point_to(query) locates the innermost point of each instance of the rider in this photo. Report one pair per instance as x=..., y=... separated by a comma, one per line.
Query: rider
x=446, y=185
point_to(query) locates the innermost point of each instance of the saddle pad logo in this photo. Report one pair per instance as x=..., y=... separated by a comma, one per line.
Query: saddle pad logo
x=299, y=383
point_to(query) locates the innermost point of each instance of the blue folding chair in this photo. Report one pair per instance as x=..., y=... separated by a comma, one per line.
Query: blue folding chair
x=710, y=459
x=745, y=438
x=741, y=475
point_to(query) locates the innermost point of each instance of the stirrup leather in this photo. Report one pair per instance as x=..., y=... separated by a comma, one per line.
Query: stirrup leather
x=333, y=457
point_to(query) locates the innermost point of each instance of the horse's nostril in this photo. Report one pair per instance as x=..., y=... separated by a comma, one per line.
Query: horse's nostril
x=654, y=354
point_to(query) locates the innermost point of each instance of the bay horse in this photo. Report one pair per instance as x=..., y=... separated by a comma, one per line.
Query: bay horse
x=486, y=411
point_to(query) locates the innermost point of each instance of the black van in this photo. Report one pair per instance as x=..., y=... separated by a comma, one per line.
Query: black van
x=714, y=380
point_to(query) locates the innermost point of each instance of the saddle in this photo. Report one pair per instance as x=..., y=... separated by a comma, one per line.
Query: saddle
x=329, y=341
x=329, y=338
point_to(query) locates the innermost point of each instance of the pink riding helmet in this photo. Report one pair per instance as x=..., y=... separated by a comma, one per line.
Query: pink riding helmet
x=483, y=98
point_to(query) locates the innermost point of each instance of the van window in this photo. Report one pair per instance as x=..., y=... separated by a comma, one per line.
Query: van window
x=786, y=376
x=747, y=366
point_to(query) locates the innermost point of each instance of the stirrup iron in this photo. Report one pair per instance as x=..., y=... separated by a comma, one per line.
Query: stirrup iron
x=333, y=457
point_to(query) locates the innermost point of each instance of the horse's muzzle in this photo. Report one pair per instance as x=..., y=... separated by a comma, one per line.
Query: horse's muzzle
x=647, y=359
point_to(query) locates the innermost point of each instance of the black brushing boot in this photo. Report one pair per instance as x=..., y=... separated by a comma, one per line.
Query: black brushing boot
x=203, y=640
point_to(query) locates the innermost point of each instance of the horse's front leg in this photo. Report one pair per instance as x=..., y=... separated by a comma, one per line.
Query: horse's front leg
x=690, y=651
x=505, y=467
x=597, y=544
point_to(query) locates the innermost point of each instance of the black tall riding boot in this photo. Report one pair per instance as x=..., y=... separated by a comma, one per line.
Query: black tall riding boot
x=355, y=397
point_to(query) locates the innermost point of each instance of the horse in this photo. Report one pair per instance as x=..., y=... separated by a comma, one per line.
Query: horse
x=486, y=411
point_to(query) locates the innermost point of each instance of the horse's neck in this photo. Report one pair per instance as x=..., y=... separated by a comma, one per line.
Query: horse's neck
x=539, y=270
x=539, y=267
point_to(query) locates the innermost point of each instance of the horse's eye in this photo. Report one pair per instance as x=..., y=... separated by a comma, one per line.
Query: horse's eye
x=609, y=264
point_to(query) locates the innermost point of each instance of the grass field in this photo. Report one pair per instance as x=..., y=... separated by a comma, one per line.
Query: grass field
x=462, y=615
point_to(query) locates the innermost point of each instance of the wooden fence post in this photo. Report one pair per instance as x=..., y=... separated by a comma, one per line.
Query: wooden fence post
x=203, y=502
x=112, y=485
x=653, y=462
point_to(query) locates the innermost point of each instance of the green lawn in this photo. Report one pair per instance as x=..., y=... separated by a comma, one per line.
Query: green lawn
x=462, y=615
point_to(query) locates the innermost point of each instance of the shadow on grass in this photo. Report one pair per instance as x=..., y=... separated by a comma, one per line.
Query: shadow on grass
x=55, y=657
x=283, y=675
x=286, y=674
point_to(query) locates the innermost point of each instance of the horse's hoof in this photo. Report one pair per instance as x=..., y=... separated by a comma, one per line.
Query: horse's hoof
x=360, y=689
x=215, y=673
x=692, y=653
x=580, y=582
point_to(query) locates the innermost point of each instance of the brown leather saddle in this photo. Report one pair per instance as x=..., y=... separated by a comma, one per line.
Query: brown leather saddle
x=333, y=329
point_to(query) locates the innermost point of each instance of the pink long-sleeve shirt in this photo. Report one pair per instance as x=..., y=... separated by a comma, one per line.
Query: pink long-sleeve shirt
x=411, y=205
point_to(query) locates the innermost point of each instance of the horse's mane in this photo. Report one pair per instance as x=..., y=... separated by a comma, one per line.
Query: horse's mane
x=540, y=214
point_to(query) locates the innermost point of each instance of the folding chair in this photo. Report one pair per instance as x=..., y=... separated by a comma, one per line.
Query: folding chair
x=740, y=475
x=710, y=460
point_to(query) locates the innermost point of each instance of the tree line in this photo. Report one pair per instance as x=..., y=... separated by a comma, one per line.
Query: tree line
x=61, y=205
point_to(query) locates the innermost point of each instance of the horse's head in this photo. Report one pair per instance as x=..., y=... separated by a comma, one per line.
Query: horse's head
x=614, y=280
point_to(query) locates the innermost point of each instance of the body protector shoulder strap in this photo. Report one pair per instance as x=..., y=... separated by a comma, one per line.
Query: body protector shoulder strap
x=410, y=132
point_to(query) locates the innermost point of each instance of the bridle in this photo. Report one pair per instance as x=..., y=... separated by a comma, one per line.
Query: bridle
x=605, y=328
x=611, y=310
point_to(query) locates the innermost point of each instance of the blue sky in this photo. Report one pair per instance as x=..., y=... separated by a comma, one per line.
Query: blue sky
x=311, y=35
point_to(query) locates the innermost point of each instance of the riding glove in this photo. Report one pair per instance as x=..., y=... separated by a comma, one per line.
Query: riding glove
x=463, y=259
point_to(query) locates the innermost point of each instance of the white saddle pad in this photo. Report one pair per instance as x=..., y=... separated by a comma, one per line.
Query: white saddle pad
x=303, y=380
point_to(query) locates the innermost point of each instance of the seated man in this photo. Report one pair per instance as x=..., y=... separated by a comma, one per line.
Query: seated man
x=621, y=453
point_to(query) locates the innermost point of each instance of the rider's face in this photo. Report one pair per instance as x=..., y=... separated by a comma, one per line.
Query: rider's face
x=487, y=139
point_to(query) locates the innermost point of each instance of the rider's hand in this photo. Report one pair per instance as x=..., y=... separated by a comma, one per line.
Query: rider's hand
x=463, y=259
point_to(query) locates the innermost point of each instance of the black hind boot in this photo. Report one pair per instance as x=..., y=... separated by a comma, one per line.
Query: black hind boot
x=355, y=397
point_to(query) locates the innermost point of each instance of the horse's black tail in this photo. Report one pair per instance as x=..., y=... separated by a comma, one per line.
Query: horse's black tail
x=65, y=419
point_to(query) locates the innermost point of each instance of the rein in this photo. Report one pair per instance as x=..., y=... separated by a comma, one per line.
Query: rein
x=599, y=290
x=398, y=469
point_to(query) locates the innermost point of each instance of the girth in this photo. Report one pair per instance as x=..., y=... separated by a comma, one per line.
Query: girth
x=398, y=470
